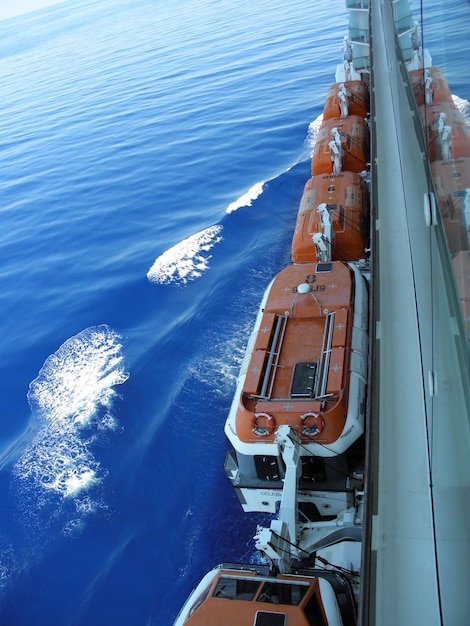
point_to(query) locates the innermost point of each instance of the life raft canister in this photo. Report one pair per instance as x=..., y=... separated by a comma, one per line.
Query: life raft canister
x=311, y=425
x=264, y=425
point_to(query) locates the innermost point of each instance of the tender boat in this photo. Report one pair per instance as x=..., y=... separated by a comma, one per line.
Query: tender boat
x=305, y=367
x=347, y=98
x=342, y=143
x=332, y=222
x=238, y=595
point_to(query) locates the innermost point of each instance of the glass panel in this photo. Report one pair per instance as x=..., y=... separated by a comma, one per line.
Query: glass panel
x=440, y=87
x=283, y=593
x=239, y=588
x=445, y=114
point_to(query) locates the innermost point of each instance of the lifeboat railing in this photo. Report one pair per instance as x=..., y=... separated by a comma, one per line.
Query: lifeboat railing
x=273, y=354
x=325, y=356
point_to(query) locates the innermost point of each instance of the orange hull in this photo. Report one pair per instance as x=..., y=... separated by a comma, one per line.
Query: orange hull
x=451, y=179
x=459, y=133
x=287, y=377
x=440, y=88
x=354, y=135
x=357, y=97
x=347, y=200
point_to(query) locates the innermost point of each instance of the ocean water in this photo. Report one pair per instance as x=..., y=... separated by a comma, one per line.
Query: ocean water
x=153, y=156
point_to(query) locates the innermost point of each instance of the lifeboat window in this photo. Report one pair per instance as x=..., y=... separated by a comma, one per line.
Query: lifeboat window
x=267, y=618
x=313, y=612
x=267, y=467
x=324, y=267
x=282, y=593
x=199, y=601
x=239, y=588
x=303, y=380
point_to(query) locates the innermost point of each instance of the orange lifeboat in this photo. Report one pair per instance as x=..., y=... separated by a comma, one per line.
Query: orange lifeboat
x=452, y=182
x=349, y=98
x=445, y=131
x=341, y=144
x=297, y=370
x=342, y=231
x=429, y=86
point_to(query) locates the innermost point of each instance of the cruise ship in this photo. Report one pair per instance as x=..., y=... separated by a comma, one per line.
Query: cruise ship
x=350, y=423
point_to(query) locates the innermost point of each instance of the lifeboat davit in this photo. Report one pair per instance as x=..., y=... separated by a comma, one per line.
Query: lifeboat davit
x=429, y=86
x=348, y=98
x=341, y=144
x=452, y=183
x=446, y=132
x=298, y=368
x=332, y=219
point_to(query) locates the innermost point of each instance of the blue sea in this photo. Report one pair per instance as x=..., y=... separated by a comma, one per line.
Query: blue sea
x=153, y=155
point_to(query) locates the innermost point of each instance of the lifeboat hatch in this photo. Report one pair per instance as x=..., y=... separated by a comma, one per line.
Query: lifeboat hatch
x=324, y=268
x=303, y=382
x=268, y=618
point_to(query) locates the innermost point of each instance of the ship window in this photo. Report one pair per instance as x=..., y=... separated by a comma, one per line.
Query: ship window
x=267, y=467
x=282, y=593
x=239, y=588
x=324, y=267
x=266, y=618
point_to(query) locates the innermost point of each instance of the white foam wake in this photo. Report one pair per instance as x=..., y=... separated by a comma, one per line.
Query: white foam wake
x=312, y=134
x=71, y=400
x=186, y=260
x=247, y=198
x=463, y=106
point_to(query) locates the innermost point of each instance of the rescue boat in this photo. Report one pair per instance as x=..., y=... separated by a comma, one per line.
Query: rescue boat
x=332, y=222
x=244, y=595
x=347, y=98
x=305, y=366
x=342, y=144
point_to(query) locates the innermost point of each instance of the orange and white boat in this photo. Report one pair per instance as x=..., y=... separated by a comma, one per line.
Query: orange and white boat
x=332, y=219
x=342, y=143
x=305, y=367
x=429, y=86
x=248, y=595
x=446, y=131
x=347, y=98
x=452, y=184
